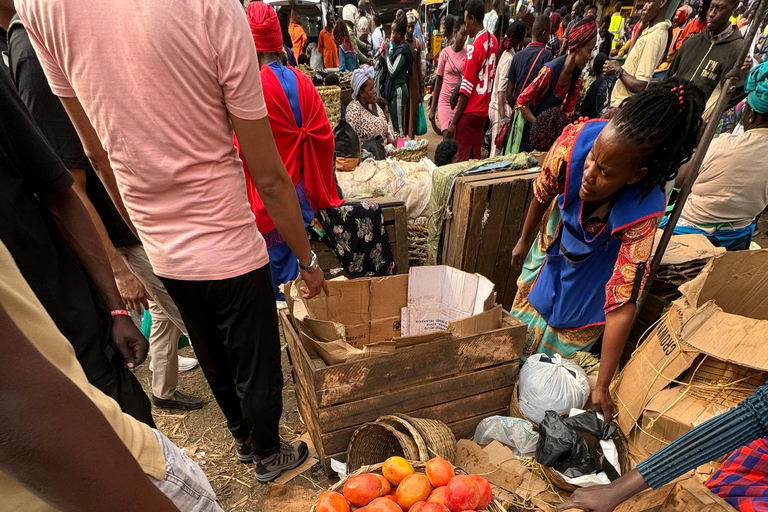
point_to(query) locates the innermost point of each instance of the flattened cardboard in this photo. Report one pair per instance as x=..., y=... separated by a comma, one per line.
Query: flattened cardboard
x=440, y=294
x=659, y=360
x=672, y=413
x=683, y=249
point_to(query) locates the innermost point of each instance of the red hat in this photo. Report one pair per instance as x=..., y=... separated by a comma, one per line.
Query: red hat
x=265, y=28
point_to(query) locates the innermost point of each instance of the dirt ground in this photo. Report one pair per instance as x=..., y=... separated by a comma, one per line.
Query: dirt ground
x=204, y=434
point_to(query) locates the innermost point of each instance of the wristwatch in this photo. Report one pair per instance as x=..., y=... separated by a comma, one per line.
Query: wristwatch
x=312, y=264
x=619, y=73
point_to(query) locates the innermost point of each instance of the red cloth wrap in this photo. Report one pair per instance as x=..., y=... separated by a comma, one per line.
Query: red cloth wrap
x=307, y=150
x=265, y=27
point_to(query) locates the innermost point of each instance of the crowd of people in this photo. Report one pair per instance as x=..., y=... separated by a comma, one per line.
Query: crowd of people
x=179, y=161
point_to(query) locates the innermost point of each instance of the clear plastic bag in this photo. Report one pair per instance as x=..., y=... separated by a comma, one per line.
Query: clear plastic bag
x=516, y=433
x=551, y=384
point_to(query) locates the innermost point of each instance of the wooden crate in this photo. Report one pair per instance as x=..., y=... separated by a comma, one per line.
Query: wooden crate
x=396, y=224
x=458, y=381
x=487, y=216
x=688, y=495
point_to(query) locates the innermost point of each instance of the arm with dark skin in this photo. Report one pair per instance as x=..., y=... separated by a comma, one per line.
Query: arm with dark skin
x=617, y=326
x=130, y=287
x=456, y=116
x=435, y=96
x=277, y=192
x=536, y=212
x=34, y=395
x=632, y=84
x=605, y=498
x=72, y=219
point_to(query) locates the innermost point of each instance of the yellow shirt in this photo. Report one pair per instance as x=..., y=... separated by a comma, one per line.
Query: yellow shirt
x=32, y=320
x=643, y=58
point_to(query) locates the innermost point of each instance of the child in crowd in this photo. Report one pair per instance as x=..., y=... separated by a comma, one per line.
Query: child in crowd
x=447, y=152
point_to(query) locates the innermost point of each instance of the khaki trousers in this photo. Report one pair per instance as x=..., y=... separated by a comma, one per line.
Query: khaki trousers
x=167, y=324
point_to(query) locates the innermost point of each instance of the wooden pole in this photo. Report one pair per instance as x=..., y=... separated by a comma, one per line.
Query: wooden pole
x=701, y=151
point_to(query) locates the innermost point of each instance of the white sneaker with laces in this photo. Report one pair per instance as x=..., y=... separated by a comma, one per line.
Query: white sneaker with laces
x=185, y=364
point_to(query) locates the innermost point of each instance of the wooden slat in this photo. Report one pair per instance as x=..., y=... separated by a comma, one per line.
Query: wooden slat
x=409, y=366
x=302, y=363
x=461, y=207
x=516, y=219
x=474, y=228
x=386, y=202
x=417, y=397
x=491, y=238
x=401, y=247
x=465, y=429
x=692, y=496
x=510, y=234
x=448, y=412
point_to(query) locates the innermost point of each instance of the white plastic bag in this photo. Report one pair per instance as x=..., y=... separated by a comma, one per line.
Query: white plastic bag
x=551, y=384
x=516, y=433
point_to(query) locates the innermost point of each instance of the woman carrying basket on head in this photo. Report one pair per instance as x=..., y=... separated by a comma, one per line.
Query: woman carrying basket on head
x=585, y=270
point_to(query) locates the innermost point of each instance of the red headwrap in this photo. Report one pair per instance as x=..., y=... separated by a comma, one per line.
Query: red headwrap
x=265, y=27
x=582, y=33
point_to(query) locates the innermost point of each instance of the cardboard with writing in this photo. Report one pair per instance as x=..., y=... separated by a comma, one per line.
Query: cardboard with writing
x=440, y=294
x=723, y=315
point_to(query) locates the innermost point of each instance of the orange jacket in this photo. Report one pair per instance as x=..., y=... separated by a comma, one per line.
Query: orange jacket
x=327, y=46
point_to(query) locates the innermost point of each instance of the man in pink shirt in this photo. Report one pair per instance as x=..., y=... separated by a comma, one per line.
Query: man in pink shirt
x=154, y=94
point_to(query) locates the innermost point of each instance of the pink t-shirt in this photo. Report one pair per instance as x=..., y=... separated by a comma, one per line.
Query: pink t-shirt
x=156, y=79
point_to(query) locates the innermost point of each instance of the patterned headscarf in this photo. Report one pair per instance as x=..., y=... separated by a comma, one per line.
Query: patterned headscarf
x=582, y=33
x=555, y=19
x=757, y=88
x=265, y=27
x=359, y=77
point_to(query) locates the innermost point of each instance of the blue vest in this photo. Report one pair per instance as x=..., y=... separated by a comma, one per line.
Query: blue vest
x=569, y=292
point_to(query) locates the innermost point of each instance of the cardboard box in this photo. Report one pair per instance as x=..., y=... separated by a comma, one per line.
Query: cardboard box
x=361, y=318
x=714, y=334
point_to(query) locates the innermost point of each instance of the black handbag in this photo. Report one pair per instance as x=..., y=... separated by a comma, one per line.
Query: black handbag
x=375, y=146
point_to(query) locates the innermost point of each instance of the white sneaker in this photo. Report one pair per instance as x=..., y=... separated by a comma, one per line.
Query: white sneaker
x=185, y=364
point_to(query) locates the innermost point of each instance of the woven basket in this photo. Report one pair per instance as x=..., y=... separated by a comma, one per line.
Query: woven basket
x=436, y=435
x=307, y=71
x=331, y=96
x=514, y=408
x=494, y=506
x=404, y=426
x=379, y=441
x=345, y=83
x=410, y=154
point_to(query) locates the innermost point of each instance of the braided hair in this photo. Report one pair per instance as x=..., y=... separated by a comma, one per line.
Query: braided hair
x=547, y=128
x=400, y=25
x=663, y=122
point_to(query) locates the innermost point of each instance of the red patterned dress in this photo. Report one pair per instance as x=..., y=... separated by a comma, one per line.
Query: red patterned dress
x=636, y=247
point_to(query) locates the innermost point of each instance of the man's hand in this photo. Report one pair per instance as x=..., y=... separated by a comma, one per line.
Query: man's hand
x=133, y=346
x=132, y=291
x=605, y=498
x=448, y=134
x=315, y=282
x=611, y=67
x=747, y=66
x=601, y=397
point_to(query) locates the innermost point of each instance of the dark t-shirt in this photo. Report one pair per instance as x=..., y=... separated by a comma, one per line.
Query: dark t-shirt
x=53, y=121
x=29, y=171
x=525, y=61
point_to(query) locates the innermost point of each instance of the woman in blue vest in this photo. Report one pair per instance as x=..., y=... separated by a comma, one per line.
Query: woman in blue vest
x=559, y=83
x=581, y=278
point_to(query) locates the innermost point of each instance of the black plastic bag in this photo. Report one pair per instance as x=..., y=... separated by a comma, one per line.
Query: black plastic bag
x=347, y=146
x=572, y=445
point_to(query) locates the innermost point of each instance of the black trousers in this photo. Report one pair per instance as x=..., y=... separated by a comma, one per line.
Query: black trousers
x=233, y=327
